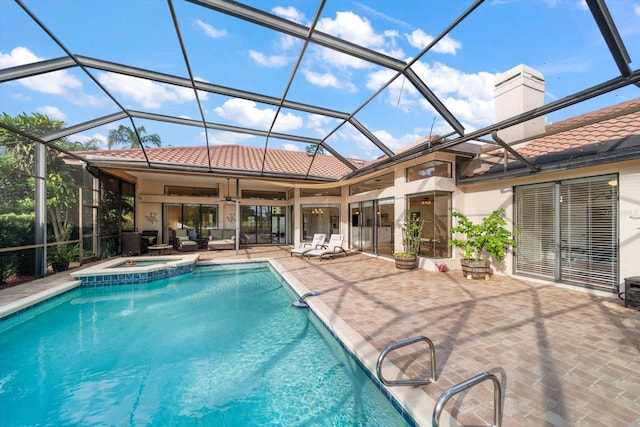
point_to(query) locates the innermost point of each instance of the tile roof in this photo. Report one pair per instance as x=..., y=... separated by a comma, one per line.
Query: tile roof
x=235, y=157
x=611, y=123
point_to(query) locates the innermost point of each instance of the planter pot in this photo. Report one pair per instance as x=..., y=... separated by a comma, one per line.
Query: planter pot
x=60, y=266
x=406, y=262
x=475, y=268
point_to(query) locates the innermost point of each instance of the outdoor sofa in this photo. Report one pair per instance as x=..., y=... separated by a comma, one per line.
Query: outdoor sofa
x=221, y=239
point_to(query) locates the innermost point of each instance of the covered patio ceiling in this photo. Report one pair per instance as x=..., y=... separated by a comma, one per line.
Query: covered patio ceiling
x=209, y=80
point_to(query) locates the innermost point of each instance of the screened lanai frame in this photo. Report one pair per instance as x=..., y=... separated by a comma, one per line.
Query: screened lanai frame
x=343, y=125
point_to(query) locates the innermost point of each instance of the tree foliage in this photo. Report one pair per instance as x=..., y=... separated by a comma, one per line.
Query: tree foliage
x=18, y=164
x=23, y=148
x=125, y=136
x=312, y=149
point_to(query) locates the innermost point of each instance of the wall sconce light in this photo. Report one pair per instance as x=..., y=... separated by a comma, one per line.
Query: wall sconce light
x=426, y=202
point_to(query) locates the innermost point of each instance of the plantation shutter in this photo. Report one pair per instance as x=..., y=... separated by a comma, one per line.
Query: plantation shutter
x=588, y=231
x=535, y=220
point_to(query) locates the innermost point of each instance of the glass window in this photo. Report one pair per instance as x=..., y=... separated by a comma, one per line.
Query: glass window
x=319, y=219
x=434, y=210
x=385, y=228
x=318, y=192
x=264, y=195
x=262, y=225
x=200, y=218
x=171, y=190
x=429, y=169
x=377, y=183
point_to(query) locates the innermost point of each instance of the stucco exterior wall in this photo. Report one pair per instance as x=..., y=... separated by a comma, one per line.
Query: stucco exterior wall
x=629, y=225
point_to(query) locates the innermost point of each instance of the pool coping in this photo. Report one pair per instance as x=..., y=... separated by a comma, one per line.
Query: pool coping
x=16, y=307
x=411, y=399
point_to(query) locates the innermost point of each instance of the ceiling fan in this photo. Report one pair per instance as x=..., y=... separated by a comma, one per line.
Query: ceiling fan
x=227, y=198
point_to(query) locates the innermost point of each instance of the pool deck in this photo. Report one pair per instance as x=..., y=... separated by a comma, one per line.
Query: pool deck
x=564, y=357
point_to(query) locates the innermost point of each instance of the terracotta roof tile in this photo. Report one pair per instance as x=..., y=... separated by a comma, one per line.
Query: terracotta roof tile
x=617, y=122
x=238, y=157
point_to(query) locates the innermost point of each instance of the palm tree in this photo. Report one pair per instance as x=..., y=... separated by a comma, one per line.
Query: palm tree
x=312, y=149
x=124, y=135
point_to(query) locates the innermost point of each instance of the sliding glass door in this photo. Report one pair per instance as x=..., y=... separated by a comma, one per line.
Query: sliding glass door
x=372, y=226
x=569, y=231
x=260, y=225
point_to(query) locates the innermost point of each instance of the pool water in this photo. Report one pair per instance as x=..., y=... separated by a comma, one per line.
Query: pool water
x=217, y=347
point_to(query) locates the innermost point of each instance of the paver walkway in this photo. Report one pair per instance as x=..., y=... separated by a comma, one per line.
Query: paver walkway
x=564, y=357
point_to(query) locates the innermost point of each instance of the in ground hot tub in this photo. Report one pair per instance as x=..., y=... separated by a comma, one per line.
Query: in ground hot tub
x=130, y=270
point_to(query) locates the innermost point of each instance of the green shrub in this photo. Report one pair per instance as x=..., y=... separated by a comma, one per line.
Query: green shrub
x=490, y=236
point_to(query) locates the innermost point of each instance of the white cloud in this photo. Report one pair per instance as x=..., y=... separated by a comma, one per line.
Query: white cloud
x=636, y=9
x=56, y=83
x=419, y=39
x=273, y=61
x=210, y=30
x=52, y=112
x=100, y=138
x=317, y=120
x=351, y=27
x=290, y=13
x=246, y=113
x=338, y=59
x=290, y=147
x=400, y=93
x=356, y=29
x=226, y=138
x=396, y=143
x=327, y=80
x=286, y=42
x=146, y=92
x=469, y=97
x=348, y=136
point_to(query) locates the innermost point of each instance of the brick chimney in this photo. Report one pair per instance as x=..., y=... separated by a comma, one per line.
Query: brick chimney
x=516, y=91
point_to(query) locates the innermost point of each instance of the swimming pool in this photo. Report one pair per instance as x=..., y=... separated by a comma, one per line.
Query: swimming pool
x=220, y=346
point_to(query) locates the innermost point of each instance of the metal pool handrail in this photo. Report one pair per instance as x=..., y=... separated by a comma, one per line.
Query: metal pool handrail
x=497, y=397
x=405, y=343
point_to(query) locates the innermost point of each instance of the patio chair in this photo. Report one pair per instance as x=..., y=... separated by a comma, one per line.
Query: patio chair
x=330, y=249
x=316, y=243
x=182, y=242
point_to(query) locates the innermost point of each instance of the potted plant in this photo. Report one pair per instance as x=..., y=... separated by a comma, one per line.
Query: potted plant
x=411, y=233
x=60, y=255
x=490, y=237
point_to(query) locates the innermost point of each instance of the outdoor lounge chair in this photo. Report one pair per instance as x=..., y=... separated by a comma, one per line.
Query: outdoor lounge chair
x=316, y=243
x=182, y=242
x=330, y=249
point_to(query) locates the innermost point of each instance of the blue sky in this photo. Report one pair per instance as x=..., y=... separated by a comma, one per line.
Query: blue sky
x=558, y=38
